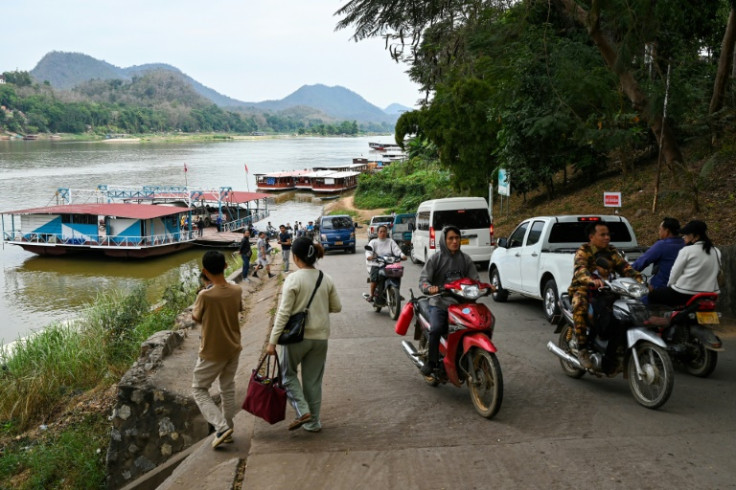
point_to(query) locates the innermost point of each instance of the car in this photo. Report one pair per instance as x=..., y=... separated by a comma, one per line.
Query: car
x=377, y=221
x=337, y=232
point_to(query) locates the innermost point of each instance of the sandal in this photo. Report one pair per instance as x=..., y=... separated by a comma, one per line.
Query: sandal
x=300, y=421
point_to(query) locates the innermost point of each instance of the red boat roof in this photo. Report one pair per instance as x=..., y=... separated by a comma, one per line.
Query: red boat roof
x=237, y=197
x=121, y=210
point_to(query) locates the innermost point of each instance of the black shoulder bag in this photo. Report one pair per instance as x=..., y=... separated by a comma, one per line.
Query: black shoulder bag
x=294, y=329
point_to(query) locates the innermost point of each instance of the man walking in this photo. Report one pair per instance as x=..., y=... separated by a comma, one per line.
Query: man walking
x=217, y=309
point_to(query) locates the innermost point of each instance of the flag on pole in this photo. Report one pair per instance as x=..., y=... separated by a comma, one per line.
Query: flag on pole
x=246, y=167
x=185, y=168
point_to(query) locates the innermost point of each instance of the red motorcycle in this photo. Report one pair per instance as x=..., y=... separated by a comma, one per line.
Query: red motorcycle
x=467, y=354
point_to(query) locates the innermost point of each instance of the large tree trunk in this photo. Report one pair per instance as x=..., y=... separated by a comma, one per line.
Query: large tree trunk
x=724, y=62
x=671, y=152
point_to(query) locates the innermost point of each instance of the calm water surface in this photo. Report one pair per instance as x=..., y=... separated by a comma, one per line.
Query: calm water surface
x=36, y=291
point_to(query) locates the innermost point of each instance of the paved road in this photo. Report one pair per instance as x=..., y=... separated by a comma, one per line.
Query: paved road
x=385, y=428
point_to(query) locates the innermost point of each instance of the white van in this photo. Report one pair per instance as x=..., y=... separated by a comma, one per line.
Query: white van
x=470, y=214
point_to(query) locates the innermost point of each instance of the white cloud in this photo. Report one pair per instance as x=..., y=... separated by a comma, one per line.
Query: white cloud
x=244, y=49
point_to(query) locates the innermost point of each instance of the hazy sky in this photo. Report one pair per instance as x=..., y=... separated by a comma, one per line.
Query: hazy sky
x=248, y=50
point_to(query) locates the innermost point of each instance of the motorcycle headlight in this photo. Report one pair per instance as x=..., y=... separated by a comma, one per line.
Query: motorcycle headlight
x=471, y=292
x=636, y=290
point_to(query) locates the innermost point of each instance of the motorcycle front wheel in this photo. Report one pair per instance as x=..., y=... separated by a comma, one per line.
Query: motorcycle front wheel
x=393, y=301
x=654, y=387
x=566, y=337
x=486, y=392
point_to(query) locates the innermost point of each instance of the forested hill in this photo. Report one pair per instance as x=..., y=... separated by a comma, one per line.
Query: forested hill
x=67, y=71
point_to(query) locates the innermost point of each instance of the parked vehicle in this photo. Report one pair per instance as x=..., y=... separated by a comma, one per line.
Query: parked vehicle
x=402, y=230
x=388, y=286
x=468, y=354
x=689, y=334
x=470, y=214
x=377, y=221
x=643, y=356
x=537, y=259
x=337, y=232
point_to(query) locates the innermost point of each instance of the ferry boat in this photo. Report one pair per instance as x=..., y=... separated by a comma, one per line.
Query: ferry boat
x=279, y=181
x=335, y=182
x=112, y=229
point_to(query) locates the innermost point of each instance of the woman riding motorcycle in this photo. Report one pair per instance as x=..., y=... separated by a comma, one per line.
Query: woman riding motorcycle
x=381, y=246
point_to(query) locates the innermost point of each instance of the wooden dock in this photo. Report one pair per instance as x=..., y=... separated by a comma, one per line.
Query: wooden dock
x=218, y=239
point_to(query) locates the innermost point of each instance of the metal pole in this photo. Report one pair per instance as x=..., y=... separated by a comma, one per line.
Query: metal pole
x=661, y=139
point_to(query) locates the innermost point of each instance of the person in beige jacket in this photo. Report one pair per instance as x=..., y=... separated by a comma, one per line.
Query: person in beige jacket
x=310, y=353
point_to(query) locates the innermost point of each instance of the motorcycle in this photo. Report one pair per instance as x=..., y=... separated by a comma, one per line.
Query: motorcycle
x=467, y=354
x=689, y=335
x=643, y=358
x=389, y=284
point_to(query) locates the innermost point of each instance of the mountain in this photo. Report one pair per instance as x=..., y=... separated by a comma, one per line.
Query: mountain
x=68, y=70
x=337, y=101
x=397, y=109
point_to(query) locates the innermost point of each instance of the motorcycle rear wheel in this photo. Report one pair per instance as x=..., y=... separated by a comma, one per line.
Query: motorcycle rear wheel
x=393, y=301
x=566, y=336
x=704, y=363
x=658, y=378
x=487, y=393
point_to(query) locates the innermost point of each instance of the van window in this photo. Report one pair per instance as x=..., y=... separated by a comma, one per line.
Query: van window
x=423, y=220
x=337, y=223
x=462, y=218
x=575, y=232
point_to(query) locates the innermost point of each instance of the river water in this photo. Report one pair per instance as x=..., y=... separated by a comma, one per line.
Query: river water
x=37, y=291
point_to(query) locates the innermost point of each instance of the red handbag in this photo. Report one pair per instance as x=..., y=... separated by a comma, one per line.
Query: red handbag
x=266, y=396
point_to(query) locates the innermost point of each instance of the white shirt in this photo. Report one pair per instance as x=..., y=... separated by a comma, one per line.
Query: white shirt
x=695, y=271
x=380, y=246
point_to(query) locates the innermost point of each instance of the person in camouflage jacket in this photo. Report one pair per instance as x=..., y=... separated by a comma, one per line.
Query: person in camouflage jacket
x=588, y=278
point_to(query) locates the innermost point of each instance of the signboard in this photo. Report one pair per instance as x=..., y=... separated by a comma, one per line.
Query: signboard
x=504, y=185
x=612, y=199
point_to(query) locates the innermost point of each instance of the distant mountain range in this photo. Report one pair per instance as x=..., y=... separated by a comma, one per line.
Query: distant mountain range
x=66, y=71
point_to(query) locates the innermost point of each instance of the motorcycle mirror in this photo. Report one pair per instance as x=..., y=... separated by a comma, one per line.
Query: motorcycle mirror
x=369, y=248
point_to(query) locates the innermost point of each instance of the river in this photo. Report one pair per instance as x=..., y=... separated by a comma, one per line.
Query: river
x=37, y=291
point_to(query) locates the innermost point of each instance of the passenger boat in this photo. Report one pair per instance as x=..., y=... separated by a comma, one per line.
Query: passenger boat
x=335, y=182
x=279, y=181
x=112, y=229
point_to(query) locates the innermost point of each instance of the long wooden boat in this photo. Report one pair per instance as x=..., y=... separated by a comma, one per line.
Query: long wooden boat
x=113, y=229
x=279, y=181
x=335, y=182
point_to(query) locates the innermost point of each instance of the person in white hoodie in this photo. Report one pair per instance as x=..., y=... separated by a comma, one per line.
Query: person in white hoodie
x=382, y=246
x=695, y=269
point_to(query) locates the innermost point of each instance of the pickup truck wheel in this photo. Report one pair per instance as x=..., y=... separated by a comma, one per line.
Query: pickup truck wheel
x=551, y=302
x=500, y=295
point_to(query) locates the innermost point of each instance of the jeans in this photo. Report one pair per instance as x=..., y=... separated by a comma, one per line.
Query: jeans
x=285, y=256
x=246, y=266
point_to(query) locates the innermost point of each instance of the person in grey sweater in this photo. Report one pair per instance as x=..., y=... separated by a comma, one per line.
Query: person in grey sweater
x=310, y=353
x=447, y=265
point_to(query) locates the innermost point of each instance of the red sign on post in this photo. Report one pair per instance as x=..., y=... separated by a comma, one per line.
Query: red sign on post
x=612, y=199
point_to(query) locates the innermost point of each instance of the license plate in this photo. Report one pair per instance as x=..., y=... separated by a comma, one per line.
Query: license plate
x=707, y=317
x=338, y=243
x=464, y=241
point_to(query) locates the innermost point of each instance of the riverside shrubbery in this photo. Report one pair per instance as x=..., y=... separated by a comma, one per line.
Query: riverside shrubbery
x=402, y=186
x=48, y=371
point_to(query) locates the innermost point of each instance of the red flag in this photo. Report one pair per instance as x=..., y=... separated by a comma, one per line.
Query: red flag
x=246, y=167
x=185, y=168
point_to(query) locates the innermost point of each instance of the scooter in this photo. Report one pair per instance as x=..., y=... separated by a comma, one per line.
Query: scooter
x=643, y=357
x=388, y=286
x=467, y=354
x=689, y=335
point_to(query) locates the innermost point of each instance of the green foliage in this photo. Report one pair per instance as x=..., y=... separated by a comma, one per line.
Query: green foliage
x=402, y=186
x=349, y=212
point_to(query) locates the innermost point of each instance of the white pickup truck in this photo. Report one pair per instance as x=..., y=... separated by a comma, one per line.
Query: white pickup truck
x=537, y=259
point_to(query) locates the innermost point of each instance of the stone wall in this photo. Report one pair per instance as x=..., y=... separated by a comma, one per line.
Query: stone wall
x=149, y=423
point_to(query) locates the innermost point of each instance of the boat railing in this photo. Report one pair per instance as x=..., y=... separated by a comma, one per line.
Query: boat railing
x=241, y=223
x=101, y=241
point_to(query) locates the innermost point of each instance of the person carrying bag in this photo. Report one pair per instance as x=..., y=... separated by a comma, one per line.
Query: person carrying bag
x=294, y=330
x=300, y=292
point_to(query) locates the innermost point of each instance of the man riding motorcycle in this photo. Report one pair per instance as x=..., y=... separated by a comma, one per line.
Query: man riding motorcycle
x=447, y=265
x=381, y=246
x=588, y=279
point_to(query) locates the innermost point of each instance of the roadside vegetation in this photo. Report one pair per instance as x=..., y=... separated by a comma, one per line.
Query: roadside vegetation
x=57, y=388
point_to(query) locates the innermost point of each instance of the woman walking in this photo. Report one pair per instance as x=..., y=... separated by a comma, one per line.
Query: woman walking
x=311, y=353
